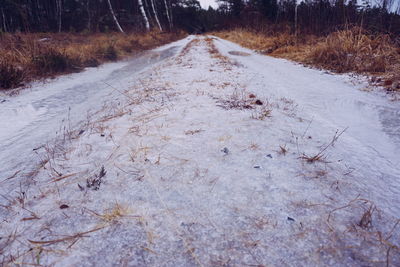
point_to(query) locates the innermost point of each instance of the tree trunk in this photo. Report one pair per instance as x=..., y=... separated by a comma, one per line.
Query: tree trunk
x=148, y=12
x=4, y=21
x=59, y=13
x=167, y=10
x=146, y=20
x=295, y=21
x=89, y=22
x=155, y=14
x=114, y=17
x=170, y=15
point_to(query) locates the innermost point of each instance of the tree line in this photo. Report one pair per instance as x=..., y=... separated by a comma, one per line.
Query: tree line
x=306, y=16
x=85, y=15
x=313, y=16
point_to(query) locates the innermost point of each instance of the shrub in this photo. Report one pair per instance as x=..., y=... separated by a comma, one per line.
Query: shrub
x=11, y=76
x=107, y=52
x=111, y=52
x=353, y=50
x=51, y=61
x=91, y=62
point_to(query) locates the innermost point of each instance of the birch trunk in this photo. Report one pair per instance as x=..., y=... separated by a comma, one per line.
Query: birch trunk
x=155, y=14
x=168, y=16
x=148, y=12
x=114, y=17
x=146, y=20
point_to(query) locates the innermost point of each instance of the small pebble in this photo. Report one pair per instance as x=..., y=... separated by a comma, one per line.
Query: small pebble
x=225, y=150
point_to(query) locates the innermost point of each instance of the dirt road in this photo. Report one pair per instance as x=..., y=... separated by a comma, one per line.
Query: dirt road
x=209, y=155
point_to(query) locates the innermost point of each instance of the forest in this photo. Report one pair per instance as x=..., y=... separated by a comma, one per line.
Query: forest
x=311, y=16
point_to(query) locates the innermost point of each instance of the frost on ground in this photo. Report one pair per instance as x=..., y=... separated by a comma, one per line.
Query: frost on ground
x=216, y=156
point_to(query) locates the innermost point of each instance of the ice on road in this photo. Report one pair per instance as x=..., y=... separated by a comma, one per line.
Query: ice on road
x=200, y=153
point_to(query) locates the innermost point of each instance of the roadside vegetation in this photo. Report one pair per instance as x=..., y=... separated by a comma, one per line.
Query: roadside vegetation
x=338, y=35
x=30, y=56
x=351, y=50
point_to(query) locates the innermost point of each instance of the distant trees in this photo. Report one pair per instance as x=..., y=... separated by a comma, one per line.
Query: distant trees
x=313, y=16
x=268, y=8
x=84, y=15
x=188, y=16
x=307, y=16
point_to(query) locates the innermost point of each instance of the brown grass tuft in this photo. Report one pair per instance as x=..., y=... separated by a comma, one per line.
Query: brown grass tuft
x=353, y=50
x=214, y=52
x=30, y=56
x=115, y=213
x=11, y=75
x=51, y=60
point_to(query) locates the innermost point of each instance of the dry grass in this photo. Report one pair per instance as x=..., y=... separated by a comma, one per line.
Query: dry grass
x=320, y=156
x=212, y=49
x=262, y=112
x=115, y=213
x=366, y=229
x=70, y=238
x=279, y=44
x=352, y=50
x=26, y=57
x=189, y=46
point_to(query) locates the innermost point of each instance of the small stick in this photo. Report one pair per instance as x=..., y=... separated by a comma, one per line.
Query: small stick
x=78, y=235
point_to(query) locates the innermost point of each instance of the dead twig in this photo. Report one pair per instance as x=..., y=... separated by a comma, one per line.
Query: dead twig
x=320, y=156
x=11, y=177
x=283, y=150
x=62, y=177
x=68, y=238
x=366, y=219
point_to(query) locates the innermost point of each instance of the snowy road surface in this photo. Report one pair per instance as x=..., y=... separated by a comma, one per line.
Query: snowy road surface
x=203, y=153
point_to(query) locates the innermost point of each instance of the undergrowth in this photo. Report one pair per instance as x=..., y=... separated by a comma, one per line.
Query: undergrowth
x=351, y=50
x=10, y=75
x=30, y=56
